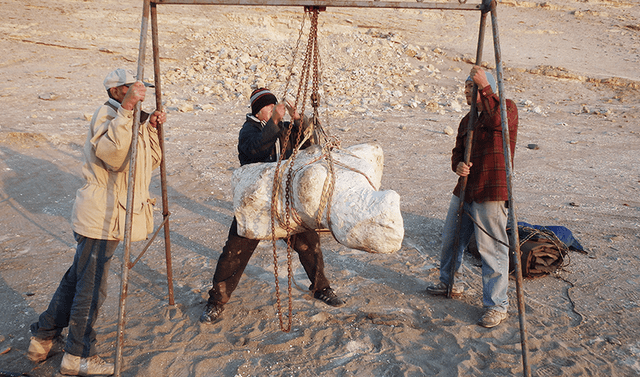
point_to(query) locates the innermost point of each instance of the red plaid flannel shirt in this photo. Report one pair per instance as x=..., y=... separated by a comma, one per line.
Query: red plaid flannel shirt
x=487, y=180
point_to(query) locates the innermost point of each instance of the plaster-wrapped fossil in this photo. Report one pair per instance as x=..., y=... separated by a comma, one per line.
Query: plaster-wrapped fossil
x=361, y=217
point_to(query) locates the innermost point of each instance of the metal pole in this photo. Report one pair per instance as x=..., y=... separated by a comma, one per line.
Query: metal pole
x=514, y=240
x=130, y=193
x=163, y=164
x=467, y=154
x=333, y=3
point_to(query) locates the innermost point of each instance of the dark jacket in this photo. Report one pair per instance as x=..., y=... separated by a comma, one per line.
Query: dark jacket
x=257, y=141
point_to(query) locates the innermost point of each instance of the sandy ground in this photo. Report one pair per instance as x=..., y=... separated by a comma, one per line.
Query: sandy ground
x=572, y=68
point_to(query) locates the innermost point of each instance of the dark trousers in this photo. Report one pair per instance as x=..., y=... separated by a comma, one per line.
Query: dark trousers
x=76, y=302
x=238, y=250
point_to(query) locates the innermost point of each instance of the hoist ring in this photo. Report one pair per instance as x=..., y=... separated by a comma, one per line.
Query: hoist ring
x=315, y=99
x=312, y=8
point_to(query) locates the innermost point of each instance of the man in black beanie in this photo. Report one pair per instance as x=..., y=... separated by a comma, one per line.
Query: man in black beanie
x=260, y=141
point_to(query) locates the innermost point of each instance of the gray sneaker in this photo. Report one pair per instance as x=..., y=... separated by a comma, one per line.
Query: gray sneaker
x=440, y=289
x=492, y=318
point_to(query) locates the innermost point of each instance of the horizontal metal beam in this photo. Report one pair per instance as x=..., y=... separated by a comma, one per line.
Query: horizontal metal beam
x=454, y=5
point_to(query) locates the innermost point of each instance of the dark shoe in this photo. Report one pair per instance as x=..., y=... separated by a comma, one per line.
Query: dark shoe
x=492, y=318
x=329, y=297
x=440, y=289
x=211, y=313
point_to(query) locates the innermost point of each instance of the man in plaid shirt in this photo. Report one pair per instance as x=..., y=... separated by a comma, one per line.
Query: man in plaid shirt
x=486, y=199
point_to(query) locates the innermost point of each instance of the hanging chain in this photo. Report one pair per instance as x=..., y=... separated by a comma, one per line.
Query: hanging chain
x=276, y=188
x=315, y=95
x=312, y=43
x=294, y=56
x=312, y=53
x=311, y=62
x=274, y=204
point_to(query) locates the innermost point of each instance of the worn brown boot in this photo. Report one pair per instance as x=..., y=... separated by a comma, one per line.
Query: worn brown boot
x=39, y=349
x=90, y=366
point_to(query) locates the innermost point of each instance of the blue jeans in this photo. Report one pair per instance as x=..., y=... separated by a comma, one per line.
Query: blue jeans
x=76, y=302
x=492, y=216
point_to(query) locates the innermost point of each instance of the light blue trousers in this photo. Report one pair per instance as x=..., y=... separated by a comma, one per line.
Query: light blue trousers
x=492, y=216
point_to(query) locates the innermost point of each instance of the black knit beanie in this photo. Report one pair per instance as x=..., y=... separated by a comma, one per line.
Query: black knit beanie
x=260, y=98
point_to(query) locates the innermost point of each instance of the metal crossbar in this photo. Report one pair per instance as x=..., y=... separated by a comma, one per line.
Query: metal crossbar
x=333, y=4
x=484, y=7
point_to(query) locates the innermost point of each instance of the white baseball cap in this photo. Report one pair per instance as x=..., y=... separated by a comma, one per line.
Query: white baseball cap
x=121, y=77
x=490, y=79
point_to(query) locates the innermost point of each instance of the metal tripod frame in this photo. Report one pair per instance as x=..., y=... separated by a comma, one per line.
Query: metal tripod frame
x=150, y=6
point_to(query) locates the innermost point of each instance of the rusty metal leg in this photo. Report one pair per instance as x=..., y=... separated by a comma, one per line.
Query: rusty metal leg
x=467, y=156
x=163, y=165
x=130, y=192
x=513, y=222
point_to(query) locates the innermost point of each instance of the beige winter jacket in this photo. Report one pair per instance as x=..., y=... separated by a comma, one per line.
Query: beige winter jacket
x=100, y=208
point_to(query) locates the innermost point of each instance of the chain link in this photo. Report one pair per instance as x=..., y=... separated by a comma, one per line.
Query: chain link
x=294, y=55
x=311, y=63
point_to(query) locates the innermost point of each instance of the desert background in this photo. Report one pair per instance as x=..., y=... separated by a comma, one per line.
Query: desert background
x=391, y=77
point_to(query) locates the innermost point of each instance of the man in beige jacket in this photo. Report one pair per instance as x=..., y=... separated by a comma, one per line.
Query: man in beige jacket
x=98, y=222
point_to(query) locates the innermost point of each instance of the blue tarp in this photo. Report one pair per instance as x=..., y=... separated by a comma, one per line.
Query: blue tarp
x=561, y=232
